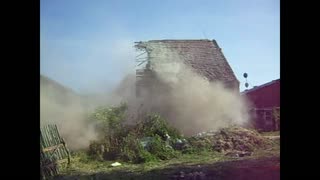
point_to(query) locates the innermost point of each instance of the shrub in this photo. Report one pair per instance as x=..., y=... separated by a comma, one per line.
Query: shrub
x=124, y=143
x=160, y=149
x=133, y=151
x=109, y=120
x=153, y=125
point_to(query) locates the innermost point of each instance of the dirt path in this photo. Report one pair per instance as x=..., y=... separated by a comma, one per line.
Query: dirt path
x=259, y=169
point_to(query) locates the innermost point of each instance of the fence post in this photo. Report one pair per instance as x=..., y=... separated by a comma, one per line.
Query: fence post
x=68, y=152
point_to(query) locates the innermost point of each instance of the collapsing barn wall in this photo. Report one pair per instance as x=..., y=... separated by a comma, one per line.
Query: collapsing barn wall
x=148, y=85
x=144, y=74
x=203, y=56
x=172, y=81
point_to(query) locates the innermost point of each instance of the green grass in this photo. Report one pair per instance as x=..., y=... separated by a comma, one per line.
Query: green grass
x=83, y=164
x=83, y=167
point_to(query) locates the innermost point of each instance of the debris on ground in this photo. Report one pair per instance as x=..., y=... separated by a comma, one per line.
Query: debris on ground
x=273, y=137
x=192, y=175
x=236, y=153
x=235, y=141
x=116, y=164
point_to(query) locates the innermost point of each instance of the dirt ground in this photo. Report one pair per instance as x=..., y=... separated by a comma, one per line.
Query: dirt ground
x=260, y=169
x=246, y=169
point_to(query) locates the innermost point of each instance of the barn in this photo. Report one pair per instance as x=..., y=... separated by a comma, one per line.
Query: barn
x=204, y=56
x=265, y=105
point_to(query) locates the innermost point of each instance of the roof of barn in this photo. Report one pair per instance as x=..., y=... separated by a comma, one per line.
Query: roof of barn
x=205, y=56
x=261, y=86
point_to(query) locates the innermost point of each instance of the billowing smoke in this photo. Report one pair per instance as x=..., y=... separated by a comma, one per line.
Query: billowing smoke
x=70, y=111
x=189, y=101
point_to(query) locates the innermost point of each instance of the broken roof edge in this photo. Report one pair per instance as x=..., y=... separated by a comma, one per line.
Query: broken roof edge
x=142, y=45
x=166, y=40
x=225, y=59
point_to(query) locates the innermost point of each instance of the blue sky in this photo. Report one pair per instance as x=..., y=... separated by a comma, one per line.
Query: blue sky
x=88, y=44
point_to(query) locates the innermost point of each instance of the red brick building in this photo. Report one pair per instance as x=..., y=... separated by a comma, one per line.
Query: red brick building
x=265, y=100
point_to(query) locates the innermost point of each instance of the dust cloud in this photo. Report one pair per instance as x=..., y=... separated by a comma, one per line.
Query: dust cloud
x=187, y=100
x=70, y=111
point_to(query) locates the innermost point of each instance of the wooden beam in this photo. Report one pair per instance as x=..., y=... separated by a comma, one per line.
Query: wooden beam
x=52, y=148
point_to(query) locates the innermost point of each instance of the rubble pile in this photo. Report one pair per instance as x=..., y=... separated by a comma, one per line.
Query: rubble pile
x=235, y=141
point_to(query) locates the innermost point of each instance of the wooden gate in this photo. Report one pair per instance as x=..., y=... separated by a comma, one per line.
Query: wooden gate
x=53, y=151
x=266, y=119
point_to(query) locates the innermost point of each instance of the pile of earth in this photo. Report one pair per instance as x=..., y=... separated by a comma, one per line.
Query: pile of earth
x=234, y=141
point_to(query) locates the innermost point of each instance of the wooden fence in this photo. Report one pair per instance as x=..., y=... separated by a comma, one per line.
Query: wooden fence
x=53, y=151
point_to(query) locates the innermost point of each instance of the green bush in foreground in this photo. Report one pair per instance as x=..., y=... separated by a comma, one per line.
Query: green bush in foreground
x=133, y=151
x=120, y=142
x=154, y=125
x=161, y=149
x=152, y=139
